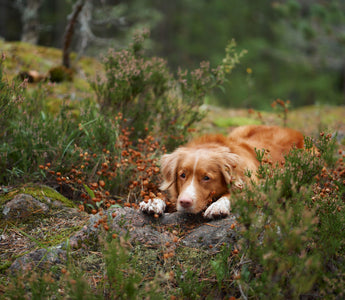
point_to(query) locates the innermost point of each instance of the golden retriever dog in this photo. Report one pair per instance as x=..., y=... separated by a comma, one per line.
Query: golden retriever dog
x=200, y=175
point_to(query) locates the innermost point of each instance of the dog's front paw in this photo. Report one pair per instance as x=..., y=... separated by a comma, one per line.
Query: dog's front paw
x=153, y=206
x=220, y=208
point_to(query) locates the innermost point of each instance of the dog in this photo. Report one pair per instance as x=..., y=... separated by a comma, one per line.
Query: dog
x=200, y=175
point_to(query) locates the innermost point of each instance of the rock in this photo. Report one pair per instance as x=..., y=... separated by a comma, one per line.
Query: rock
x=162, y=236
x=23, y=206
x=32, y=215
x=137, y=226
x=212, y=234
x=177, y=218
x=88, y=235
x=142, y=228
x=128, y=217
x=150, y=237
x=41, y=258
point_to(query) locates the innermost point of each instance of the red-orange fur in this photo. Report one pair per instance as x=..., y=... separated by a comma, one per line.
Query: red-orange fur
x=223, y=160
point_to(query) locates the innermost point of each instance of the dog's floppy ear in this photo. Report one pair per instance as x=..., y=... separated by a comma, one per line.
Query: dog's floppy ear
x=230, y=168
x=169, y=164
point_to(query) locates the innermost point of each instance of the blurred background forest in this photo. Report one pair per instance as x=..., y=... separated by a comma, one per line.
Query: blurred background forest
x=295, y=47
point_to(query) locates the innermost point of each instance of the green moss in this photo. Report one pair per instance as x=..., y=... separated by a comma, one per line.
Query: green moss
x=23, y=57
x=82, y=85
x=235, y=121
x=52, y=238
x=5, y=265
x=29, y=57
x=147, y=266
x=38, y=231
x=40, y=192
x=191, y=258
x=91, y=66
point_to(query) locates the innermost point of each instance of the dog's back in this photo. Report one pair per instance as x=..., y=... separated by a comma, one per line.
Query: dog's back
x=277, y=140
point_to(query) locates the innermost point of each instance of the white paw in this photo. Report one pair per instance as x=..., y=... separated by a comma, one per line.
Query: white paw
x=155, y=206
x=220, y=208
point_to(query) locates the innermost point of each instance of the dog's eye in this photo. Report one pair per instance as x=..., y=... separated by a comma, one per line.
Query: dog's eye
x=183, y=175
x=206, y=178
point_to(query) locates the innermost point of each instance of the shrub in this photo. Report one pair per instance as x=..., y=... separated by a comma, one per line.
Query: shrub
x=119, y=172
x=118, y=278
x=147, y=94
x=78, y=151
x=60, y=74
x=32, y=137
x=123, y=279
x=10, y=96
x=293, y=225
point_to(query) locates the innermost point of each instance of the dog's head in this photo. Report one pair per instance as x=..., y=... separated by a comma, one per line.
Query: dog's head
x=197, y=176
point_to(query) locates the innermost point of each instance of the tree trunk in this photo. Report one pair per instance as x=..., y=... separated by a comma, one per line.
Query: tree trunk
x=72, y=19
x=30, y=21
x=85, y=32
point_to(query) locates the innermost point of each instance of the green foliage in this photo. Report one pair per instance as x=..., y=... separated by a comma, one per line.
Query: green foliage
x=33, y=140
x=220, y=265
x=33, y=136
x=60, y=74
x=147, y=94
x=31, y=284
x=292, y=234
x=122, y=277
x=11, y=95
x=295, y=48
x=189, y=284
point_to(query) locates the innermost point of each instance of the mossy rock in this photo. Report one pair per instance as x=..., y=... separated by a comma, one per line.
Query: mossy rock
x=47, y=219
x=40, y=192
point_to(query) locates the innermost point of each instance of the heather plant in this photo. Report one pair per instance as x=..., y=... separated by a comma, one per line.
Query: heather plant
x=119, y=278
x=10, y=96
x=34, y=136
x=145, y=91
x=120, y=173
x=122, y=278
x=292, y=231
x=283, y=108
x=91, y=156
x=30, y=135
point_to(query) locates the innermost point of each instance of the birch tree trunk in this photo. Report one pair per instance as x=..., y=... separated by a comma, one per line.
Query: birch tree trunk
x=30, y=20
